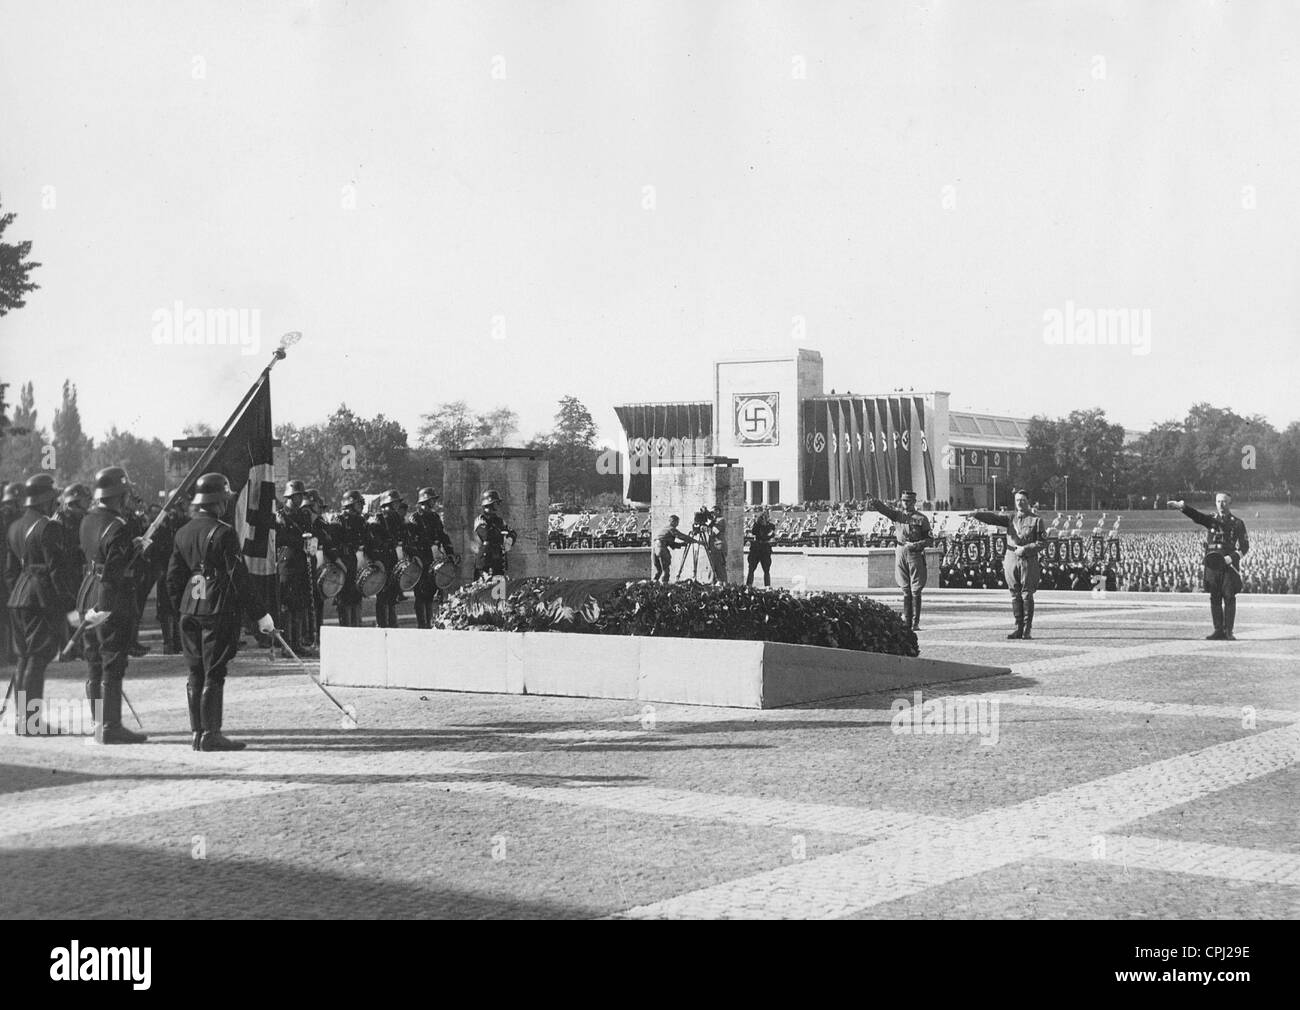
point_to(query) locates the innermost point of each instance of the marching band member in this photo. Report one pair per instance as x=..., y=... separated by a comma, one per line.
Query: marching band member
x=386, y=544
x=293, y=568
x=346, y=539
x=426, y=532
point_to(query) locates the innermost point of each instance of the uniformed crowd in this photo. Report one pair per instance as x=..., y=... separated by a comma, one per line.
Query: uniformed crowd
x=79, y=565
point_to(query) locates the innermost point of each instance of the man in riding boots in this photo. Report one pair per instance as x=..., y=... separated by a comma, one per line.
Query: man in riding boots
x=292, y=528
x=492, y=533
x=39, y=598
x=387, y=545
x=110, y=595
x=427, y=532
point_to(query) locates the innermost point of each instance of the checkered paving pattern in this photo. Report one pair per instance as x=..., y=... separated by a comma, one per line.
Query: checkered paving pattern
x=1137, y=770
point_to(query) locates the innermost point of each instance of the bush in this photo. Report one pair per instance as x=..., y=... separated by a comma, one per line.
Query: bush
x=679, y=610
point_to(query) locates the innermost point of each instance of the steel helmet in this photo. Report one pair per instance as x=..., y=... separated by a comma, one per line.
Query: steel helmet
x=490, y=497
x=13, y=492
x=75, y=492
x=39, y=489
x=111, y=482
x=389, y=497
x=294, y=488
x=351, y=498
x=211, y=487
x=314, y=497
x=427, y=494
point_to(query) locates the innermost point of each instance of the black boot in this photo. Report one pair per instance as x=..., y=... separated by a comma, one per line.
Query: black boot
x=93, y=695
x=1018, y=611
x=1229, y=617
x=31, y=689
x=212, y=705
x=916, y=612
x=111, y=730
x=194, y=699
x=1029, y=617
x=1216, y=613
x=907, y=610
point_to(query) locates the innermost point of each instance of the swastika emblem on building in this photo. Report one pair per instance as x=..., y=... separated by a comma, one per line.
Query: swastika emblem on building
x=756, y=418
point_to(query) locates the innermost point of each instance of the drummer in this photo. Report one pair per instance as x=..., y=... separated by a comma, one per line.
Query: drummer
x=386, y=543
x=345, y=538
x=429, y=542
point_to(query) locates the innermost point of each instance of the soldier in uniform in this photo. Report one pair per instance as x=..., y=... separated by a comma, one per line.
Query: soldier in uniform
x=387, y=544
x=426, y=532
x=73, y=503
x=492, y=532
x=1225, y=543
x=40, y=601
x=1025, y=536
x=160, y=552
x=912, y=535
x=137, y=522
x=315, y=506
x=662, y=548
x=347, y=537
x=10, y=510
x=109, y=589
x=292, y=528
x=210, y=588
x=760, y=550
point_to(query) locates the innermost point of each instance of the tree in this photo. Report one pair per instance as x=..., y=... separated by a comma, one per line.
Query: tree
x=366, y=453
x=496, y=427
x=572, y=452
x=198, y=429
x=15, y=269
x=71, y=447
x=28, y=452
x=448, y=427
x=143, y=459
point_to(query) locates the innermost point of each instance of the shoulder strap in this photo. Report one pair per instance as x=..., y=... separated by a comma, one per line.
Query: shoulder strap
x=207, y=544
x=40, y=523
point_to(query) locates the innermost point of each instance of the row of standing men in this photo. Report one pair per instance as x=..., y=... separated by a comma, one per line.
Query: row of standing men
x=88, y=575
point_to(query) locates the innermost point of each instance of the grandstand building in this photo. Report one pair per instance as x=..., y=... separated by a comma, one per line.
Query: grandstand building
x=798, y=443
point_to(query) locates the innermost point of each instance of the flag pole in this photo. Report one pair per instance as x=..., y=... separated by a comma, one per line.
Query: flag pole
x=286, y=341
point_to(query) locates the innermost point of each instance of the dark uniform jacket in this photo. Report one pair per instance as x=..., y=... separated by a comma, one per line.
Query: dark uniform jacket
x=1225, y=535
x=107, y=544
x=207, y=550
x=35, y=570
x=344, y=537
x=74, y=559
x=292, y=526
x=385, y=532
x=426, y=530
x=762, y=531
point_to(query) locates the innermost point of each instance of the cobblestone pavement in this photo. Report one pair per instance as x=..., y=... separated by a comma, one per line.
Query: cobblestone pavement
x=1126, y=768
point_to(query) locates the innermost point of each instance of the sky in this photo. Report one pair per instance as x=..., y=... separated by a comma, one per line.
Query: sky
x=508, y=202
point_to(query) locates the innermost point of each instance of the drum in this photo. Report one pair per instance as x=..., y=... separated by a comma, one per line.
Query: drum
x=408, y=572
x=331, y=578
x=445, y=575
x=372, y=578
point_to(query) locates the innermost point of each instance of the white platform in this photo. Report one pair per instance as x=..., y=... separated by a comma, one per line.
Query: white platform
x=670, y=670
